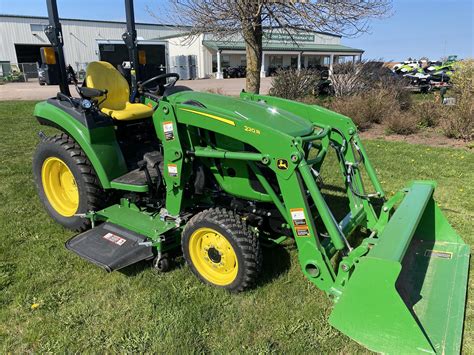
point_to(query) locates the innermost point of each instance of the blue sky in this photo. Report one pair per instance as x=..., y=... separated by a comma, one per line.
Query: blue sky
x=432, y=28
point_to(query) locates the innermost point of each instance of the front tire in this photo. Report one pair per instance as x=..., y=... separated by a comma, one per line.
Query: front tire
x=221, y=250
x=66, y=182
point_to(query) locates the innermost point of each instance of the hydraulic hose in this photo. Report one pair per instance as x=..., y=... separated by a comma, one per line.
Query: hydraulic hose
x=348, y=172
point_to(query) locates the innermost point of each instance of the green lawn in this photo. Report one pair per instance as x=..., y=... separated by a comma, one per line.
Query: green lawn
x=81, y=308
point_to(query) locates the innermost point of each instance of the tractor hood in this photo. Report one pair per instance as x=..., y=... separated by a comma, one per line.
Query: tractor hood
x=245, y=110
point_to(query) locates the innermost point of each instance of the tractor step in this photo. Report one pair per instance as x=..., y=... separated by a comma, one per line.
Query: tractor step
x=110, y=246
x=134, y=180
x=135, y=177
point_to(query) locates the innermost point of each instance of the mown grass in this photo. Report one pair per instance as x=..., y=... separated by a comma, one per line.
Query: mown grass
x=81, y=308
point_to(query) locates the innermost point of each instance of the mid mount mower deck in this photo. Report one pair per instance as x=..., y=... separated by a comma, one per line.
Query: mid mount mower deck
x=146, y=170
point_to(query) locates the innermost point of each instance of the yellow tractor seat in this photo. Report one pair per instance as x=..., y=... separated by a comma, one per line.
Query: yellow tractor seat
x=102, y=75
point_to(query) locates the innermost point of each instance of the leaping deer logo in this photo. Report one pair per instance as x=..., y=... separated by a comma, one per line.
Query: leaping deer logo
x=282, y=164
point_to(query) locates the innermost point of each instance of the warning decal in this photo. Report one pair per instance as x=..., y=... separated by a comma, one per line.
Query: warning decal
x=168, y=130
x=172, y=170
x=115, y=239
x=302, y=231
x=297, y=215
x=438, y=254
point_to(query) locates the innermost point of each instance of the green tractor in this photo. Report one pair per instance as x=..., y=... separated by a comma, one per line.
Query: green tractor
x=152, y=170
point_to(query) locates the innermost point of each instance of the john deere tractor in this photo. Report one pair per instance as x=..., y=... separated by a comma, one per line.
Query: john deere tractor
x=154, y=170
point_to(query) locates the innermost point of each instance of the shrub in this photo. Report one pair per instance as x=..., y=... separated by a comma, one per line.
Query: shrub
x=347, y=79
x=429, y=113
x=403, y=123
x=459, y=121
x=398, y=89
x=295, y=84
x=368, y=107
x=355, y=78
x=316, y=100
x=350, y=106
x=378, y=104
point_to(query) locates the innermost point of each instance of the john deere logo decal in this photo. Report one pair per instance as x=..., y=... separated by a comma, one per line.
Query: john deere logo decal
x=282, y=164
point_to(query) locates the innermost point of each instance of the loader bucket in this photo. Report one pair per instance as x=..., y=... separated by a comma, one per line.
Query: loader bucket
x=407, y=295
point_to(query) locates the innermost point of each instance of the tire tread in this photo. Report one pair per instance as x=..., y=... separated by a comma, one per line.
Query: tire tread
x=96, y=196
x=245, y=239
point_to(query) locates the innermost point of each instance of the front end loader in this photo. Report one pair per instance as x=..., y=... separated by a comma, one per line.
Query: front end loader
x=158, y=170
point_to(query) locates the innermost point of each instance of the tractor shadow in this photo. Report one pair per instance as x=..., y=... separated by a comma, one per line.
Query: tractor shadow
x=135, y=269
x=276, y=262
x=337, y=200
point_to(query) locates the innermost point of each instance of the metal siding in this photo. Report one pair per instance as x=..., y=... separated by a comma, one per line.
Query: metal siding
x=79, y=37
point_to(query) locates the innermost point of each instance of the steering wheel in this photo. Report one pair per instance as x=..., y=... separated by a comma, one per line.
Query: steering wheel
x=160, y=88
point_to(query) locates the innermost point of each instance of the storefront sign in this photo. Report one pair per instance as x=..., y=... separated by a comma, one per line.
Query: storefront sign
x=299, y=37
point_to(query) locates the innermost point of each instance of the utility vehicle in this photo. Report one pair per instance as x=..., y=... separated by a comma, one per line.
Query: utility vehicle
x=149, y=171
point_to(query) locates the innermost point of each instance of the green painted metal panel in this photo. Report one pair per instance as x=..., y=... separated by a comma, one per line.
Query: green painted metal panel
x=257, y=130
x=408, y=293
x=99, y=144
x=231, y=171
x=371, y=311
x=398, y=233
x=245, y=113
x=310, y=250
x=128, y=187
x=175, y=168
x=129, y=216
x=342, y=128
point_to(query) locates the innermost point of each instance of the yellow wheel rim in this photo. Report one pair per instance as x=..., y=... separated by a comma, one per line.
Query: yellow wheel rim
x=60, y=186
x=213, y=256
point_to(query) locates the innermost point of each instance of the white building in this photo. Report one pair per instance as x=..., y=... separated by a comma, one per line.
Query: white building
x=280, y=50
x=199, y=57
x=22, y=36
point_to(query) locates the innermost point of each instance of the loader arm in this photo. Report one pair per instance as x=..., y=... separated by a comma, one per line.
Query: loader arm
x=402, y=262
x=291, y=163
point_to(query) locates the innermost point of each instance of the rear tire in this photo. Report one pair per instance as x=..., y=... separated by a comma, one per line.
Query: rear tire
x=66, y=182
x=221, y=250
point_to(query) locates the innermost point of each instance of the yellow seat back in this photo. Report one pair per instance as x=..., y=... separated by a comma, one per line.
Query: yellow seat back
x=102, y=75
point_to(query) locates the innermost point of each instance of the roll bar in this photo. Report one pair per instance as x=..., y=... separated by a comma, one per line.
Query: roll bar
x=54, y=33
x=130, y=39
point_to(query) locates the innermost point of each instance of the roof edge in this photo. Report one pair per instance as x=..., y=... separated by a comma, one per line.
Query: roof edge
x=312, y=31
x=241, y=45
x=189, y=33
x=100, y=21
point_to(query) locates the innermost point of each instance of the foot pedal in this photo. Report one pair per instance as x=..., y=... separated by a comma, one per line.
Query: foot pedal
x=110, y=246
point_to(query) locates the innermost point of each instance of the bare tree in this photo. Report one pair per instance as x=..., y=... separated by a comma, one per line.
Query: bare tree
x=224, y=18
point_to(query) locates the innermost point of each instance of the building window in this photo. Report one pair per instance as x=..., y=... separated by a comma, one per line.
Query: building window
x=294, y=62
x=276, y=61
x=37, y=27
x=225, y=62
x=314, y=61
x=108, y=48
x=243, y=60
